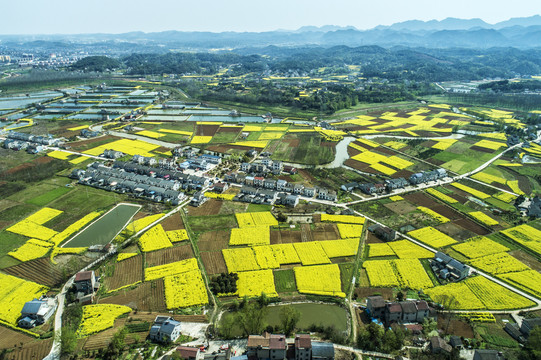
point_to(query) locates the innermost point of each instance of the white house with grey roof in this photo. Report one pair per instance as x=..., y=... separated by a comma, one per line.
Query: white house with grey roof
x=165, y=329
x=37, y=312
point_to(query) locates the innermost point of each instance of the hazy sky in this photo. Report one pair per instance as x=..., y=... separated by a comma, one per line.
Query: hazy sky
x=117, y=16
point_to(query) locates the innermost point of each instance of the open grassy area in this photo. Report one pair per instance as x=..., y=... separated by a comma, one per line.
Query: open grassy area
x=44, y=199
x=9, y=242
x=284, y=281
x=211, y=222
x=80, y=201
x=309, y=150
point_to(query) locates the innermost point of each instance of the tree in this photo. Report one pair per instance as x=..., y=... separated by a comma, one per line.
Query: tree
x=289, y=317
x=118, y=342
x=370, y=338
x=227, y=323
x=252, y=318
x=400, y=296
x=532, y=348
x=68, y=342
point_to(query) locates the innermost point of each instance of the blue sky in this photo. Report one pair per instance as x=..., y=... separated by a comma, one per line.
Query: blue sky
x=118, y=16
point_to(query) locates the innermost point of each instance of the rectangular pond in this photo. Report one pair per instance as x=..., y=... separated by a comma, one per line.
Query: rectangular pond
x=104, y=230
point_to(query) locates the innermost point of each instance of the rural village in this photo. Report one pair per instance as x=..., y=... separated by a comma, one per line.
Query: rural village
x=138, y=223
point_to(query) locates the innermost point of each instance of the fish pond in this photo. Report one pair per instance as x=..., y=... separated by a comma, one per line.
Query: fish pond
x=104, y=230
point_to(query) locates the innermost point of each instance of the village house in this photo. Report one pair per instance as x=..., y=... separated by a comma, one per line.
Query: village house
x=267, y=346
x=165, y=329
x=303, y=347
x=448, y=268
x=187, y=352
x=37, y=312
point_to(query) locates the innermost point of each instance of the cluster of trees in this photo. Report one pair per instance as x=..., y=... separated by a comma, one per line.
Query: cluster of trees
x=417, y=64
x=96, y=63
x=374, y=338
x=224, y=283
x=505, y=86
x=526, y=102
x=333, y=98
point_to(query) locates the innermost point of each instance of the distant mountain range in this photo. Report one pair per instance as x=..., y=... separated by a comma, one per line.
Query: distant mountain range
x=448, y=33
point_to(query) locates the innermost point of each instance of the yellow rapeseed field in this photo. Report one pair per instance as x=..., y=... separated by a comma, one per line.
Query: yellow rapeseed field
x=432, y=237
x=14, y=293
x=254, y=283
x=319, y=280
x=185, y=290
x=257, y=235
x=311, y=253
x=99, y=317
x=154, y=239
x=179, y=267
x=479, y=246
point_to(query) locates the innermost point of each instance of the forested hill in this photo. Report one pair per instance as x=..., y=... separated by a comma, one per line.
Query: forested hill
x=417, y=64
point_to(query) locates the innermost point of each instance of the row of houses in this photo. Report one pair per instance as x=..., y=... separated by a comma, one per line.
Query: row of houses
x=259, y=182
x=277, y=347
x=187, y=182
x=398, y=183
x=263, y=196
x=32, y=144
x=398, y=312
x=203, y=162
x=102, y=177
x=17, y=145
x=266, y=165
x=47, y=140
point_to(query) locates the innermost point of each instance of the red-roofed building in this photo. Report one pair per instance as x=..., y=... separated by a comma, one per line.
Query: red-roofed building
x=268, y=346
x=188, y=353
x=303, y=347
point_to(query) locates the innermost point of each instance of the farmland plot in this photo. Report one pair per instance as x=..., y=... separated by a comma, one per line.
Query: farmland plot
x=148, y=296
x=167, y=256
x=40, y=271
x=125, y=273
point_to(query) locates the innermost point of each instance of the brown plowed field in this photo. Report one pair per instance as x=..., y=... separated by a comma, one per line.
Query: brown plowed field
x=148, y=296
x=288, y=236
x=142, y=316
x=214, y=262
x=40, y=271
x=450, y=213
x=35, y=350
x=173, y=222
x=228, y=129
x=275, y=237
x=456, y=327
x=9, y=338
x=87, y=144
x=213, y=240
x=386, y=151
x=103, y=338
x=363, y=292
x=206, y=130
x=372, y=239
x=126, y=272
x=170, y=255
x=211, y=207
x=324, y=231
x=482, y=149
